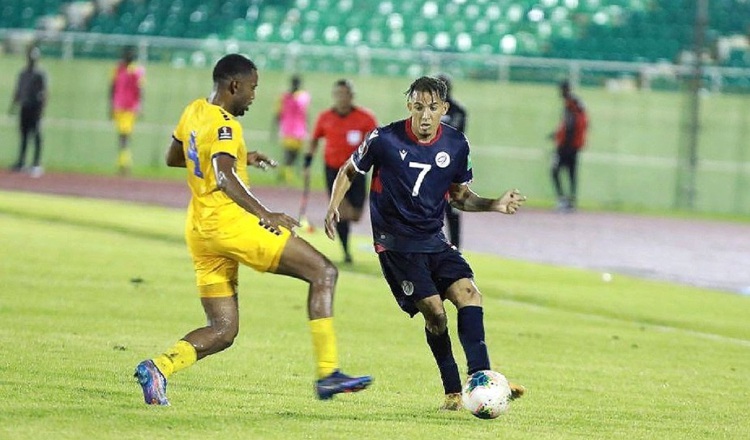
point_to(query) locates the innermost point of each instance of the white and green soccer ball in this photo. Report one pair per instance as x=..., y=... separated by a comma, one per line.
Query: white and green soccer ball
x=486, y=394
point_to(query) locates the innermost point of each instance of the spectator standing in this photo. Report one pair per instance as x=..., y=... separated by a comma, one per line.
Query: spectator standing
x=31, y=97
x=570, y=138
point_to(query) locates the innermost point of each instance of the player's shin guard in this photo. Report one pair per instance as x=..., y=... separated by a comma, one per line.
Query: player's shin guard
x=443, y=354
x=471, y=335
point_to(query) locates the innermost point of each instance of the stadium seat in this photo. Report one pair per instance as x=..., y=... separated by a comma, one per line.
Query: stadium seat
x=622, y=30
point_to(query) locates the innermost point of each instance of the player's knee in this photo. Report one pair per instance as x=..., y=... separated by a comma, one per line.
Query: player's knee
x=465, y=294
x=436, y=324
x=322, y=276
x=327, y=273
x=225, y=338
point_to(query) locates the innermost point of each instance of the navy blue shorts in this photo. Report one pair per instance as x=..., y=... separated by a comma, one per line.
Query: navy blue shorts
x=415, y=276
x=357, y=192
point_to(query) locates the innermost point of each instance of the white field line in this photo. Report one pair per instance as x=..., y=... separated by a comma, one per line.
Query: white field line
x=478, y=151
x=607, y=319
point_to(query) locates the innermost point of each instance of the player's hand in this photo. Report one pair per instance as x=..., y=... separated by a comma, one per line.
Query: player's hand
x=332, y=218
x=274, y=221
x=260, y=160
x=509, y=202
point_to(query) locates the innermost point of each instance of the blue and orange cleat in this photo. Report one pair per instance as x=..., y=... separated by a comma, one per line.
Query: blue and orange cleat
x=338, y=382
x=153, y=383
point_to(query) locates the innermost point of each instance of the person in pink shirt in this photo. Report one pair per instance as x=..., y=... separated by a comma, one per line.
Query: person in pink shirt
x=126, y=96
x=290, y=124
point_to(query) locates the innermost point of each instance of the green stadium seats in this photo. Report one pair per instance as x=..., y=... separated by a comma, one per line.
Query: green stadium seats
x=617, y=30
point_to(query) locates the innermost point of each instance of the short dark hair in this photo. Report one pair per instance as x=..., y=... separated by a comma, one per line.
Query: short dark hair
x=344, y=83
x=231, y=65
x=428, y=84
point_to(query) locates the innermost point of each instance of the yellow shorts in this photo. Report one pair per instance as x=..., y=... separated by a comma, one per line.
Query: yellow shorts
x=124, y=121
x=216, y=255
x=293, y=144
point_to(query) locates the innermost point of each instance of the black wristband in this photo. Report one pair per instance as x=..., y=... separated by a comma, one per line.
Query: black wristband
x=308, y=160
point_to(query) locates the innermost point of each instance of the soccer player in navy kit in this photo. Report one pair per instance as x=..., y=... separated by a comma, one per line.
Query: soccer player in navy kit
x=415, y=162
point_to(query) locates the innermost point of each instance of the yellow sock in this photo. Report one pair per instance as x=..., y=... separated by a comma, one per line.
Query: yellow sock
x=177, y=358
x=324, y=345
x=125, y=158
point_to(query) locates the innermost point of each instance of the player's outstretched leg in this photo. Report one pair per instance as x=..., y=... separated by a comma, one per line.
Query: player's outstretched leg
x=300, y=260
x=152, y=382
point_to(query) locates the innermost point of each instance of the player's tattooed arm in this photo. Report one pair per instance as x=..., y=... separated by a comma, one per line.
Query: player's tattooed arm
x=175, y=156
x=464, y=199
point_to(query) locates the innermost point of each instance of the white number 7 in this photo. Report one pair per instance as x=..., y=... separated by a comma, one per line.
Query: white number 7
x=425, y=168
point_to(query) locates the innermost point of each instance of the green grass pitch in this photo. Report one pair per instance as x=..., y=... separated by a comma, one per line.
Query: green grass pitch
x=624, y=359
x=630, y=162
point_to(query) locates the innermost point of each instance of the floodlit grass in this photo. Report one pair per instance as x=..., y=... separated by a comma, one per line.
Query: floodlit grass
x=90, y=288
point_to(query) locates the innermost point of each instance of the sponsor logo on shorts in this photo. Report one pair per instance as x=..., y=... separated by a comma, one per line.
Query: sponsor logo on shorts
x=407, y=287
x=225, y=133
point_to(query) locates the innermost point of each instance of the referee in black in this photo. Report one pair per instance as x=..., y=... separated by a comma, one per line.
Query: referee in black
x=456, y=118
x=31, y=96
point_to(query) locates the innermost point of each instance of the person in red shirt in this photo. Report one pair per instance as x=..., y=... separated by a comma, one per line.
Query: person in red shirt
x=570, y=138
x=344, y=127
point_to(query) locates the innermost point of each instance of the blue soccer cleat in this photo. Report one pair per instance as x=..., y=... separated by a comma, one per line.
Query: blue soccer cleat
x=338, y=382
x=153, y=383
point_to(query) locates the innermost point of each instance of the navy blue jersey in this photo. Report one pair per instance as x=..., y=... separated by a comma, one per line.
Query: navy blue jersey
x=410, y=181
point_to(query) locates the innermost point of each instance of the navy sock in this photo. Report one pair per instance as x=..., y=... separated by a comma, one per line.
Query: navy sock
x=342, y=229
x=471, y=335
x=441, y=350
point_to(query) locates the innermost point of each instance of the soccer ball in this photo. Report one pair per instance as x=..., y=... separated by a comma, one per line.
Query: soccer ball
x=486, y=394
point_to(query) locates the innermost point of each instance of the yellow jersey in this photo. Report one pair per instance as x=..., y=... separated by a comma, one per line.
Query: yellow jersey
x=206, y=130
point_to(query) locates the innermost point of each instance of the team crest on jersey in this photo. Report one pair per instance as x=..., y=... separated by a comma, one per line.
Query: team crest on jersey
x=225, y=133
x=442, y=159
x=407, y=287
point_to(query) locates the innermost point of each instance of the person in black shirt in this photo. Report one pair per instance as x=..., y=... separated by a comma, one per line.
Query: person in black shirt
x=31, y=96
x=456, y=118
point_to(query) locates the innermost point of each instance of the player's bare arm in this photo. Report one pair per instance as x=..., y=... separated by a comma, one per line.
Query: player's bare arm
x=464, y=199
x=341, y=185
x=232, y=185
x=175, y=156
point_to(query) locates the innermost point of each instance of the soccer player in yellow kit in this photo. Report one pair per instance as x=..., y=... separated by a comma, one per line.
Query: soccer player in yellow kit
x=227, y=225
